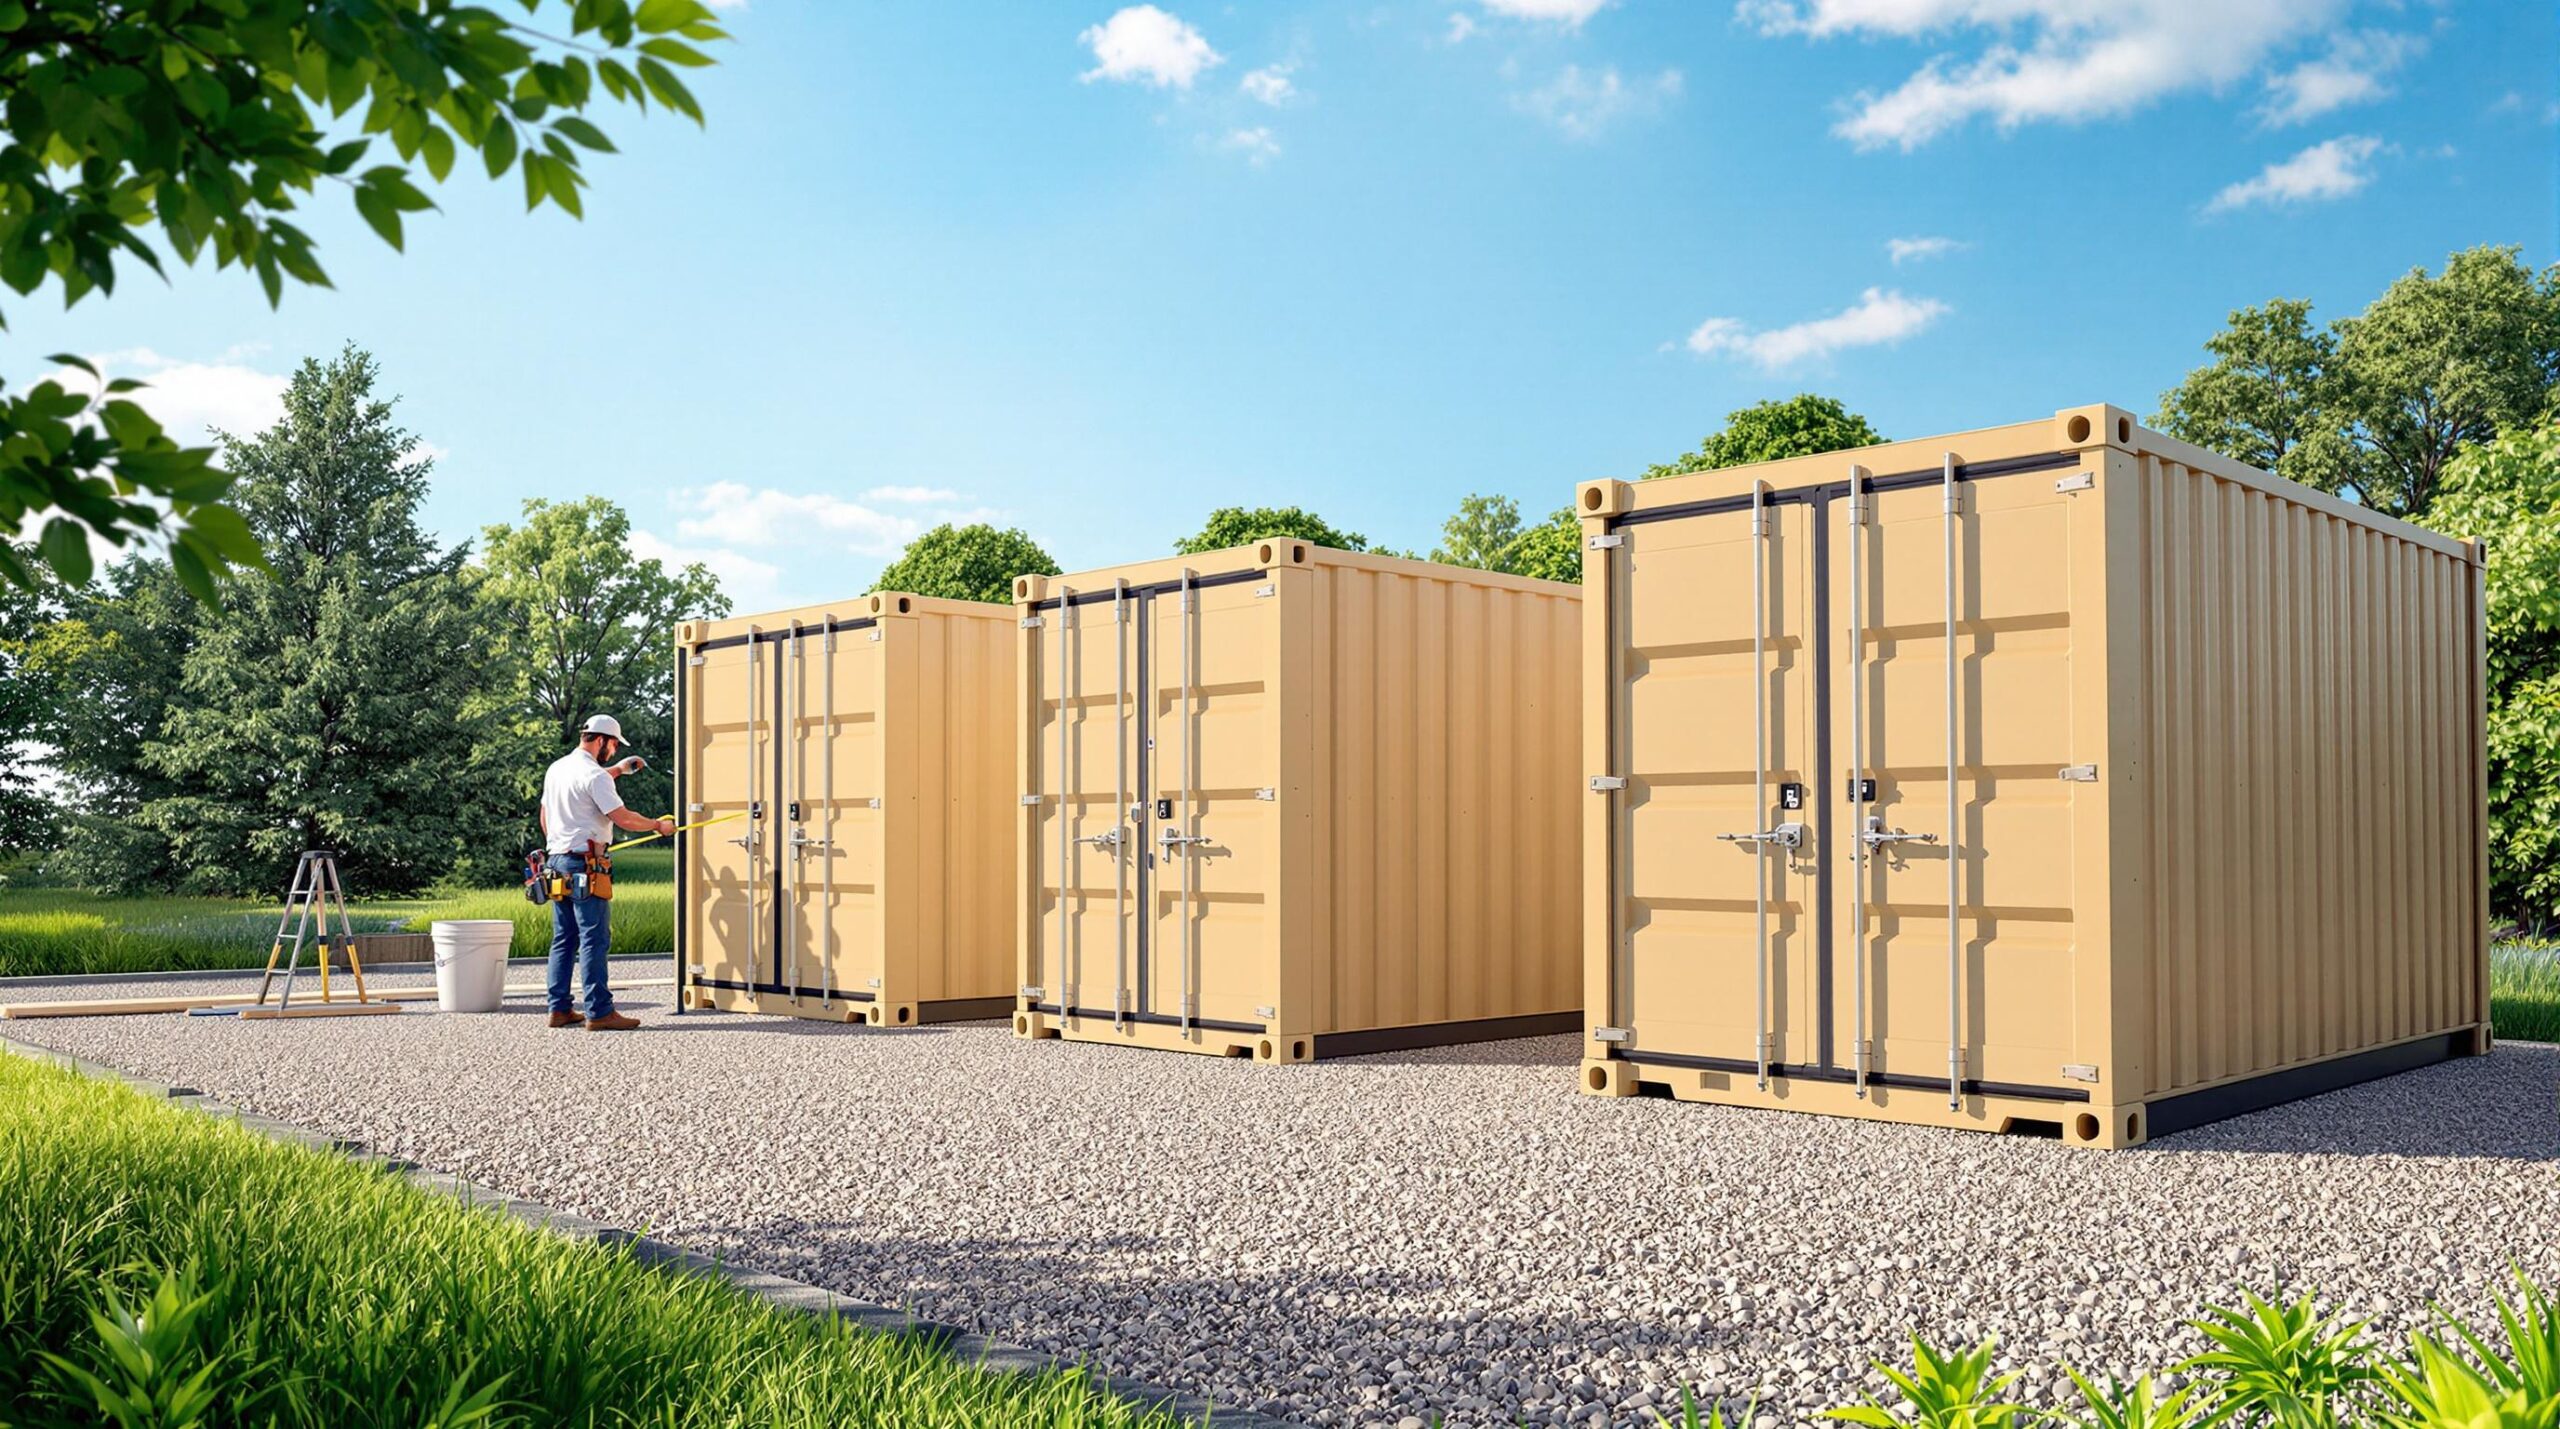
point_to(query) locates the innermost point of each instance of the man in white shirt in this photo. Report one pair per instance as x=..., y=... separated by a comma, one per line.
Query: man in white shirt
x=580, y=811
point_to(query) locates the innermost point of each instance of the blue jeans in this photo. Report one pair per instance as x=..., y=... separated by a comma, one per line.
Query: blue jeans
x=581, y=930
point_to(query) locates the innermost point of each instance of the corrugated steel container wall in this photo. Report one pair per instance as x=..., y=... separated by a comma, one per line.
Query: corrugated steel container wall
x=2308, y=700
x=871, y=742
x=2110, y=785
x=1383, y=756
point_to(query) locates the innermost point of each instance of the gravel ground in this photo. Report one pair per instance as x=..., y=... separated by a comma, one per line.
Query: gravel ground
x=1454, y=1230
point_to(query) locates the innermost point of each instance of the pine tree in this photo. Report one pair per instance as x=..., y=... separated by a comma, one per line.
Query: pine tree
x=326, y=706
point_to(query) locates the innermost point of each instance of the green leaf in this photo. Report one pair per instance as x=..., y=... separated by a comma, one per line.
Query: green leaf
x=675, y=51
x=193, y=573
x=65, y=547
x=584, y=133
x=670, y=90
x=72, y=359
x=656, y=17
x=222, y=528
x=378, y=211
x=500, y=148
x=437, y=145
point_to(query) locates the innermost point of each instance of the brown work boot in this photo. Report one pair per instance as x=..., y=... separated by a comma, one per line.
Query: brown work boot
x=566, y=1019
x=613, y=1022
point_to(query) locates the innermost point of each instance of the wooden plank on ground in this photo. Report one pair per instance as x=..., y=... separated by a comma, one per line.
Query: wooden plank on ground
x=321, y=1009
x=127, y=1006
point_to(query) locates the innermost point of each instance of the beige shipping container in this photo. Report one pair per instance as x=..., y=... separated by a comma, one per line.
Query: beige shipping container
x=870, y=745
x=1284, y=802
x=2103, y=784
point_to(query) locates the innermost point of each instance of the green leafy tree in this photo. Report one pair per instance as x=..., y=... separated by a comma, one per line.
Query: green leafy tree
x=27, y=696
x=330, y=705
x=2264, y=398
x=1550, y=550
x=1481, y=534
x=1231, y=526
x=205, y=122
x=2507, y=493
x=577, y=626
x=1802, y=425
x=974, y=562
x=123, y=644
x=2441, y=362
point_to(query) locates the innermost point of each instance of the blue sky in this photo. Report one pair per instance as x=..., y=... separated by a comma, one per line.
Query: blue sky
x=1092, y=270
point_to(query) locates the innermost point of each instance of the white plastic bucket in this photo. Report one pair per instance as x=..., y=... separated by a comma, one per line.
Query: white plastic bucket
x=471, y=963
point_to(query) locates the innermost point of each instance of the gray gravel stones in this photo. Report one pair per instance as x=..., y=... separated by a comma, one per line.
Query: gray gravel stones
x=1452, y=1231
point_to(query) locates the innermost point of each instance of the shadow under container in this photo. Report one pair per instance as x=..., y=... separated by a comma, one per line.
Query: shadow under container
x=869, y=746
x=2058, y=776
x=1285, y=802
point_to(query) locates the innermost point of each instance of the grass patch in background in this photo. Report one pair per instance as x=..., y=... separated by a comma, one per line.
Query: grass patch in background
x=128, y=1267
x=55, y=933
x=2524, y=990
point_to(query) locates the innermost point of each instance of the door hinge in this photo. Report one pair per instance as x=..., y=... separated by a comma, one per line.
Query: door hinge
x=1032, y=622
x=1030, y=799
x=875, y=635
x=1266, y=1012
x=1613, y=1034
x=2077, y=481
x=1604, y=783
x=694, y=969
x=1265, y=592
x=874, y=803
x=875, y=984
x=1606, y=543
x=2080, y=773
x=1033, y=994
x=1266, y=795
x=693, y=659
x=2079, y=1071
x=693, y=808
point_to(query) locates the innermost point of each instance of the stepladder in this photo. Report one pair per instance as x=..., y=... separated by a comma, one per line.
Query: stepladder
x=315, y=893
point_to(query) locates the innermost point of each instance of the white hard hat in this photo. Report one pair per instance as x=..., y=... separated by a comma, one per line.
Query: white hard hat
x=602, y=724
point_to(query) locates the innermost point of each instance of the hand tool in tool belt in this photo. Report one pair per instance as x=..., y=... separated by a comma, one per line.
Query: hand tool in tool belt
x=597, y=881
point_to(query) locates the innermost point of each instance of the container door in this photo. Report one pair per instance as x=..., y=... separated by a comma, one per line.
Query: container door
x=829, y=805
x=1716, y=846
x=1089, y=751
x=1211, y=779
x=729, y=873
x=1969, y=976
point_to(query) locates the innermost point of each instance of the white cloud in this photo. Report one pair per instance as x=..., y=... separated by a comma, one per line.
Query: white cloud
x=1880, y=316
x=914, y=495
x=192, y=400
x=2046, y=60
x=424, y=452
x=1568, y=13
x=1258, y=145
x=1461, y=26
x=2352, y=72
x=1270, y=84
x=2329, y=170
x=749, y=583
x=1584, y=103
x=1144, y=44
x=735, y=514
x=1919, y=250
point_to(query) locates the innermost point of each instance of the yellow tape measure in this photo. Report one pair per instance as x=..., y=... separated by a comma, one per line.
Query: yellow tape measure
x=680, y=828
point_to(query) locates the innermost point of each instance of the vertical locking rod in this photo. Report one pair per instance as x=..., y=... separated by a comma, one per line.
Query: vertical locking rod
x=1760, y=775
x=1058, y=961
x=827, y=812
x=1122, y=734
x=1955, y=944
x=1858, y=762
x=1184, y=819
x=795, y=678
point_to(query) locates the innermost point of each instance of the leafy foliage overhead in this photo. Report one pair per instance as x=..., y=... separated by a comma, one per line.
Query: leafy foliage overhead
x=208, y=121
x=1231, y=526
x=1486, y=533
x=974, y=562
x=1802, y=425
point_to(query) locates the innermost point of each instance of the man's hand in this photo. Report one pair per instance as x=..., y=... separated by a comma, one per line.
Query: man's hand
x=666, y=827
x=633, y=765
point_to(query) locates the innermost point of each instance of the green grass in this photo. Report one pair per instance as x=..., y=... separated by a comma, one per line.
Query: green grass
x=2524, y=990
x=49, y=933
x=145, y=1246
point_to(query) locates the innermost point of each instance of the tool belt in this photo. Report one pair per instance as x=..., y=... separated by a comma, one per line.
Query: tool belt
x=545, y=884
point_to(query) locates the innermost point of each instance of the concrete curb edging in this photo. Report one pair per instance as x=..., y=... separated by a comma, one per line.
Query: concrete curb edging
x=993, y=1356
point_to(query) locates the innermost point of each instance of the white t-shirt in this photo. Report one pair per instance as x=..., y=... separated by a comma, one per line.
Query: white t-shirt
x=577, y=794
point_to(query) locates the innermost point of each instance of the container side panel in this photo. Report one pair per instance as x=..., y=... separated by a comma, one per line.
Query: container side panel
x=1448, y=742
x=2311, y=852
